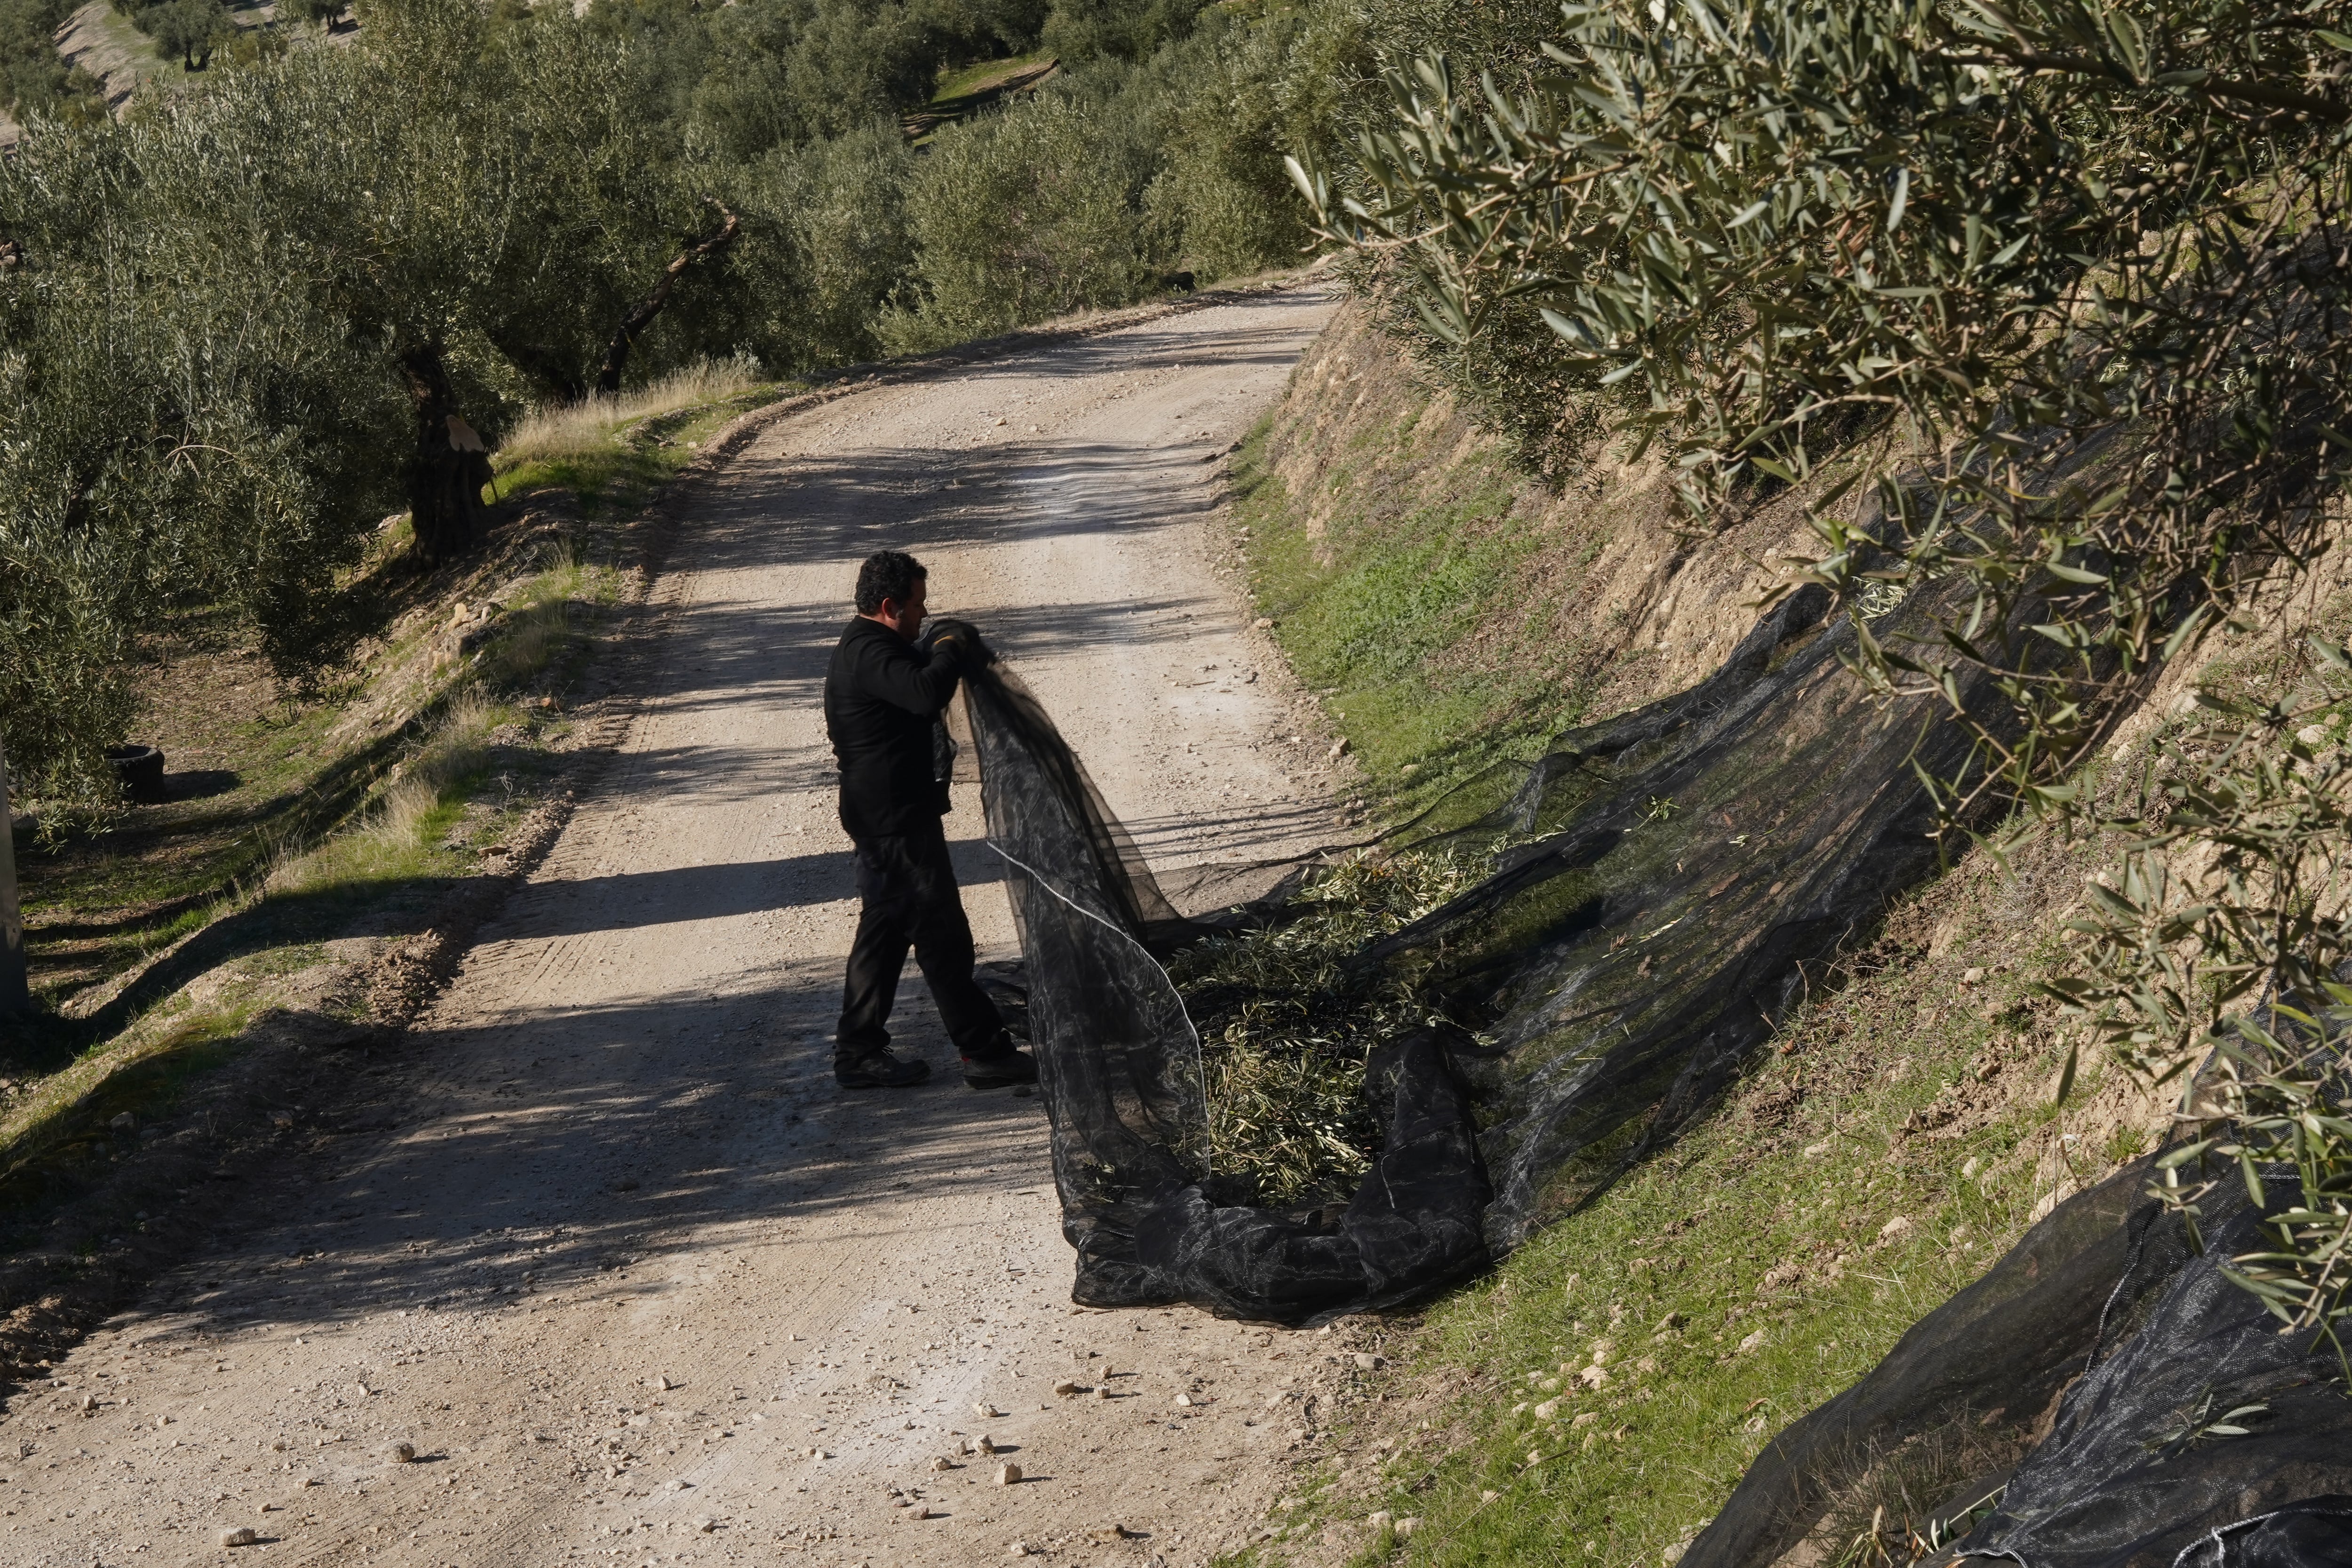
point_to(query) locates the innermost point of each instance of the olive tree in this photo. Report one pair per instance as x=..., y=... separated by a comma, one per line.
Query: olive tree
x=250, y=318
x=2083, y=273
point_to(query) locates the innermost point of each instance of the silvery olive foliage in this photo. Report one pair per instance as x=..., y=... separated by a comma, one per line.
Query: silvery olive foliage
x=2045, y=312
x=207, y=317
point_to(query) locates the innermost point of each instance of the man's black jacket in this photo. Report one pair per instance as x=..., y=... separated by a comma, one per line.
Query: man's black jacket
x=882, y=697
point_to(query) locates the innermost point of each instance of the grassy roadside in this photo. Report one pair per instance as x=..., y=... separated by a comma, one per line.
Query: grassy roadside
x=1597, y=1396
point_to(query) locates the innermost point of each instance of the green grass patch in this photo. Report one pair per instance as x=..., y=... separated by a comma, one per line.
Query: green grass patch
x=1616, y=1376
x=966, y=90
x=1412, y=625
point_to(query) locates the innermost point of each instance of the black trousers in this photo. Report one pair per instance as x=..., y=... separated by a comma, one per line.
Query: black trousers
x=908, y=890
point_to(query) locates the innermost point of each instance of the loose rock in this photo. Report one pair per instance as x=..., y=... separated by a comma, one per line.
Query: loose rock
x=1367, y=1361
x=1068, y=1387
x=986, y=1445
x=943, y=1463
x=401, y=1453
x=1007, y=1473
x=1405, y=1527
x=660, y=1382
x=240, y=1535
x=987, y=1412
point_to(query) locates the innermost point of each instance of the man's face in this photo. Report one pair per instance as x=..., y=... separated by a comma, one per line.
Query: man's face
x=905, y=615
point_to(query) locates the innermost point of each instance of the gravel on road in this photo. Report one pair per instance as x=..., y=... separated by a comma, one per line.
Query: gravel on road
x=628, y=1280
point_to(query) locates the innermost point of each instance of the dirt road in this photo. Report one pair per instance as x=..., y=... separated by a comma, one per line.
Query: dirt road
x=635, y=1280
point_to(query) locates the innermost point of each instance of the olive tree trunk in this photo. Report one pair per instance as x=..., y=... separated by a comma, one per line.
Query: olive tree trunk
x=16, y=994
x=616, y=354
x=448, y=468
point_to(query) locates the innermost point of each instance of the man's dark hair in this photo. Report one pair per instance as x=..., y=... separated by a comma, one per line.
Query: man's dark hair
x=887, y=574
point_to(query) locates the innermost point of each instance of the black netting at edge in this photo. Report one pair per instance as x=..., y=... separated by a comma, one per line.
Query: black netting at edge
x=1662, y=880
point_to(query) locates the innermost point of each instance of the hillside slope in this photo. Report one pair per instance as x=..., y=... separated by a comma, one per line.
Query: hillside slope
x=1451, y=608
x=1900, y=1134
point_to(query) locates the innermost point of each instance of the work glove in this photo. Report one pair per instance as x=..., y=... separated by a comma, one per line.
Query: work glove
x=966, y=640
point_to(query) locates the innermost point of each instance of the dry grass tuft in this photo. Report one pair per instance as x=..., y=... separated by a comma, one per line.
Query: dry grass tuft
x=572, y=430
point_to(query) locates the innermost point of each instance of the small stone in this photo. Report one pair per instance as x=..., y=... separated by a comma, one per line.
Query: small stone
x=987, y=1412
x=660, y=1382
x=1109, y=1533
x=1546, y=1410
x=1066, y=1387
x=2311, y=734
x=1971, y=976
x=1018, y=1549
x=943, y=1463
x=161, y=1422
x=705, y=1526
x=919, y=1510
x=1183, y=1402
x=1489, y=1496
x=986, y=1445
x=1102, y=1391
x=238, y=1535
x=1893, y=1227
x=401, y=1453
x=89, y=1403
x=1264, y=622
x=1594, y=1376
x=1338, y=749
x=1751, y=1341
x=1406, y=1526
x=1380, y=1519
x=1007, y=1473
x=125, y=1123
x=1367, y=1361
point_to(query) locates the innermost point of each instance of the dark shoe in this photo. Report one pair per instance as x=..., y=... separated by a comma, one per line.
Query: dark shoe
x=878, y=1070
x=999, y=1071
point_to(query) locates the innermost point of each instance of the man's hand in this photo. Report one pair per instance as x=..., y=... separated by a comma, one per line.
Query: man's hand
x=965, y=639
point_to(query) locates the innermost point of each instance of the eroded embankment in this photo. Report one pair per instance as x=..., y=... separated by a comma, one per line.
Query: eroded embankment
x=1449, y=608
x=1608, y=1385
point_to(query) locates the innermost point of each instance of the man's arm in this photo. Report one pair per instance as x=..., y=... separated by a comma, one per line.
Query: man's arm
x=910, y=679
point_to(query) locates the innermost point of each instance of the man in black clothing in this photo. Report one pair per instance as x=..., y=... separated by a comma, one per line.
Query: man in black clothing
x=883, y=699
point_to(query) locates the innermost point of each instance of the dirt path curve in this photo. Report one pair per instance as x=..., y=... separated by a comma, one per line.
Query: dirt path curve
x=637, y=1283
